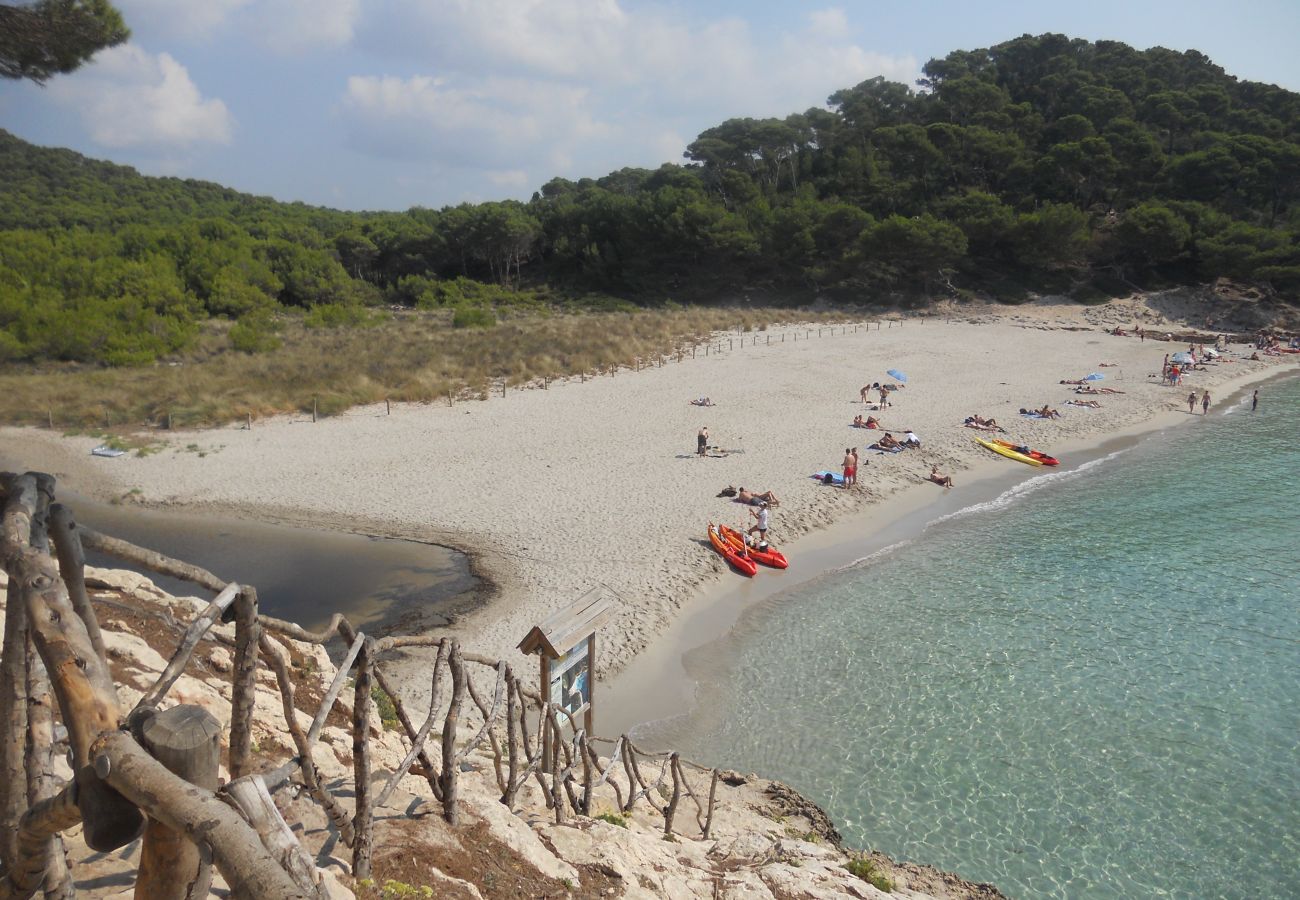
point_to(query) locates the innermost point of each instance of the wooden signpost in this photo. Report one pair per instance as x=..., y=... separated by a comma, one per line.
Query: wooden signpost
x=566, y=645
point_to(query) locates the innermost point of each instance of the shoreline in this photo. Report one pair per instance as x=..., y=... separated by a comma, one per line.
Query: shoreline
x=661, y=683
x=595, y=473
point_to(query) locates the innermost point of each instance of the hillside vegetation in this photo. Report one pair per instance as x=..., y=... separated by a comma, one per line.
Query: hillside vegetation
x=1042, y=163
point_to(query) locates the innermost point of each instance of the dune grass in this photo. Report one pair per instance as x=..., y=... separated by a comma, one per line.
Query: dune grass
x=409, y=357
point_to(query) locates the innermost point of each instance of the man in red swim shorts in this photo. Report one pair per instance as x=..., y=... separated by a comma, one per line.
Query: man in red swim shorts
x=850, y=467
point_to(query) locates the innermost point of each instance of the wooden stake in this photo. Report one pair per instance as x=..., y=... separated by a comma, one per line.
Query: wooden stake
x=238, y=854
x=363, y=821
x=187, y=740
x=388, y=406
x=313, y=409
x=244, y=682
x=249, y=421
x=72, y=568
x=49, y=417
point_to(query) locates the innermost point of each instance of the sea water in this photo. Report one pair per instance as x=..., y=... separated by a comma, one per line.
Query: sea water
x=1087, y=688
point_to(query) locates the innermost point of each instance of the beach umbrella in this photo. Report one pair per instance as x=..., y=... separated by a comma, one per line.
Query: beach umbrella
x=894, y=373
x=1181, y=358
x=1095, y=376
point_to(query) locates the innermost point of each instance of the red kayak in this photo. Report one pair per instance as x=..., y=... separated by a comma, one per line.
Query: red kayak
x=739, y=559
x=769, y=557
x=1032, y=454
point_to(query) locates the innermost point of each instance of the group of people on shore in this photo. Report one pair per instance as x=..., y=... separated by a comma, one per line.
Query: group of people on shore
x=1205, y=402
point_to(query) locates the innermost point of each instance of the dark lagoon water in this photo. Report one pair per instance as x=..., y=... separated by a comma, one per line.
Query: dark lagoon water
x=304, y=575
x=1089, y=687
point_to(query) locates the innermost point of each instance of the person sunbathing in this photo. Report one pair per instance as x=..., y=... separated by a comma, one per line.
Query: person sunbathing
x=756, y=498
x=1073, y=381
x=888, y=442
x=1048, y=413
x=944, y=480
x=1086, y=390
x=982, y=423
x=703, y=401
x=868, y=422
x=1091, y=404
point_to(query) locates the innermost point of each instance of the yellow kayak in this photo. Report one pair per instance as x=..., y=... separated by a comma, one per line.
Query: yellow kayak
x=1009, y=453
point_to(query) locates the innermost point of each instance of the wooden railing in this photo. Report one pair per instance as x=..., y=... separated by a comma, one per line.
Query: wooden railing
x=163, y=764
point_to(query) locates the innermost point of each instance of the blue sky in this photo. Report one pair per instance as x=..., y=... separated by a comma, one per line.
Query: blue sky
x=389, y=104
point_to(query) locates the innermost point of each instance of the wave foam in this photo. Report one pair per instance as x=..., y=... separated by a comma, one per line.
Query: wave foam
x=1025, y=488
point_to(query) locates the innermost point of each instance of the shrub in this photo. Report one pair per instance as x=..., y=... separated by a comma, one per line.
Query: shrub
x=864, y=868
x=387, y=710
x=255, y=333
x=473, y=317
x=338, y=315
x=613, y=819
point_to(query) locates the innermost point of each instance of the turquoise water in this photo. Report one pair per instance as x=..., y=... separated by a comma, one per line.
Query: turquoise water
x=1087, y=688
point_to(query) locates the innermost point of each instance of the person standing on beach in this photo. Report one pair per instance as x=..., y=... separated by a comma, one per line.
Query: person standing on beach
x=1205, y=404
x=884, y=397
x=1254, y=402
x=1191, y=402
x=702, y=441
x=760, y=525
x=850, y=468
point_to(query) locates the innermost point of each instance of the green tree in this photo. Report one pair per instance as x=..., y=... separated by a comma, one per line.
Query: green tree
x=51, y=37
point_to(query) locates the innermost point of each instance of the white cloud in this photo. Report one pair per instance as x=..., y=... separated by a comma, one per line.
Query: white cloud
x=182, y=18
x=287, y=26
x=298, y=25
x=828, y=24
x=492, y=124
x=130, y=98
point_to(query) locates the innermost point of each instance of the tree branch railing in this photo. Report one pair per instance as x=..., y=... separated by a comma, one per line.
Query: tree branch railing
x=486, y=717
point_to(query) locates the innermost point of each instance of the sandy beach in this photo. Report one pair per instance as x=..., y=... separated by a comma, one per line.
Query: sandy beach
x=597, y=482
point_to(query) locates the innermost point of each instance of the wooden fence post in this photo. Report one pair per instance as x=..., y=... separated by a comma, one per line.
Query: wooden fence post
x=244, y=682
x=388, y=406
x=313, y=409
x=363, y=820
x=72, y=568
x=248, y=422
x=450, y=771
x=49, y=417
x=187, y=740
x=19, y=508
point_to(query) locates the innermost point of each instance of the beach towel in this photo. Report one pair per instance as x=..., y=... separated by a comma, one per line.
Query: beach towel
x=875, y=449
x=1034, y=416
x=107, y=451
x=836, y=477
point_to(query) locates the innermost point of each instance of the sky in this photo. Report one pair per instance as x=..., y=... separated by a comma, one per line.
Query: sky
x=392, y=104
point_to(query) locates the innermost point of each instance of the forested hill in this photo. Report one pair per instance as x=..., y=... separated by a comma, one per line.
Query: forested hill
x=1040, y=163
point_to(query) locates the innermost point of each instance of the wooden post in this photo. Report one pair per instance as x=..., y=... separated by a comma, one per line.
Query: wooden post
x=450, y=771
x=254, y=801
x=363, y=820
x=449, y=400
x=729, y=347
x=313, y=409
x=49, y=417
x=187, y=740
x=244, y=682
x=169, y=420
x=503, y=386
x=388, y=406
x=86, y=694
x=249, y=421
x=42, y=782
x=236, y=851
x=20, y=506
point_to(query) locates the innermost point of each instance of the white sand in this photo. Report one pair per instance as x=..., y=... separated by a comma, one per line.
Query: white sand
x=597, y=483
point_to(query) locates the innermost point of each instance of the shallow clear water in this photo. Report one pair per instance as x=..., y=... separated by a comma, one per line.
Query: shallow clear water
x=1088, y=688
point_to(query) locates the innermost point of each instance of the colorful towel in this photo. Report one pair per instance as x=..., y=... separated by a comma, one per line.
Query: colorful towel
x=836, y=477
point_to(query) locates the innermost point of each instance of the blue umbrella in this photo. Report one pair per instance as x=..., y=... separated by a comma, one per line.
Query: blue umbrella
x=894, y=373
x=1095, y=376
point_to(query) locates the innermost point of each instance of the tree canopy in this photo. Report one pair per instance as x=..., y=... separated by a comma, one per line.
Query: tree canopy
x=1040, y=163
x=51, y=37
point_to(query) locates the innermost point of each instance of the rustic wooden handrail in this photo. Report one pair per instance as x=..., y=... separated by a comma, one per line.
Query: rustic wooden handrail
x=524, y=733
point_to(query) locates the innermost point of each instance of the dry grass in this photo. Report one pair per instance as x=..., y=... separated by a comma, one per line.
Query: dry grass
x=413, y=357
